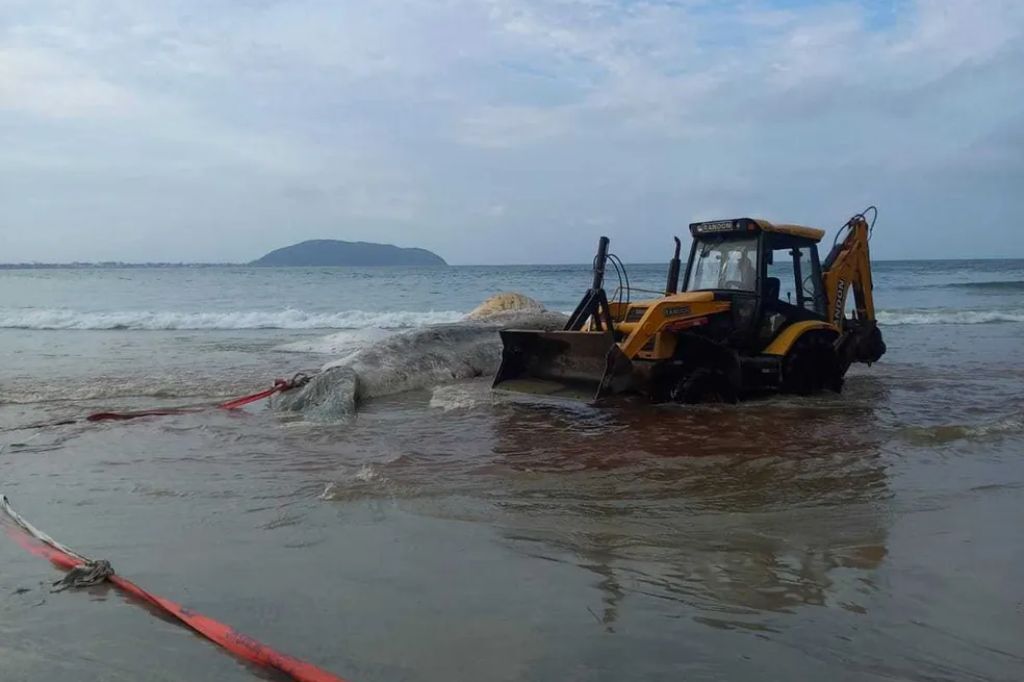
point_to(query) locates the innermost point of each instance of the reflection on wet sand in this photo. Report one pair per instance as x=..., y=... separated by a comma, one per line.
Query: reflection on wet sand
x=721, y=515
x=727, y=512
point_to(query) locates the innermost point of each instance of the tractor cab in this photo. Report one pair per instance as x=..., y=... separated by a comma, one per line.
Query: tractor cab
x=770, y=274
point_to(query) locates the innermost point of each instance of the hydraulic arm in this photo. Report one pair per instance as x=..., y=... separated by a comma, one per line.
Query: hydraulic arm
x=848, y=266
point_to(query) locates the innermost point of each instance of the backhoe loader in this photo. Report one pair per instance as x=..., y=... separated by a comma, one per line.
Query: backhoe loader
x=728, y=332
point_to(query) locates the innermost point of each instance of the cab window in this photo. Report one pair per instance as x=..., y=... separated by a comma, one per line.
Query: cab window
x=799, y=278
x=725, y=264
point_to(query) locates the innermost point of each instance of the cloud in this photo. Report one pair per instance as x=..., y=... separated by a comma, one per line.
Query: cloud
x=180, y=126
x=508, y=126
x=43, y=83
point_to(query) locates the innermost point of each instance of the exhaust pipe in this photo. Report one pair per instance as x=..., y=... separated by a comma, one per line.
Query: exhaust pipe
x=672, y=286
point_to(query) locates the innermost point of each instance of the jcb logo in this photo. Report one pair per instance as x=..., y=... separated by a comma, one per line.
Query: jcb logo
x=837, y=314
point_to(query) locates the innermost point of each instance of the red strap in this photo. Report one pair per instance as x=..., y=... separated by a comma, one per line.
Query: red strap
x=237, y=643
x=280, y=385
x=229, y=638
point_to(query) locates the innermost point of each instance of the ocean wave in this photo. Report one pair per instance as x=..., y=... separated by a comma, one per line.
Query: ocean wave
x=948, y=433
x=1000, y=285
x=940, y=316
x=52, y=318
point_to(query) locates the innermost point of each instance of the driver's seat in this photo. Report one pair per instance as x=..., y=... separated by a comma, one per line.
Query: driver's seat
x=773, y=302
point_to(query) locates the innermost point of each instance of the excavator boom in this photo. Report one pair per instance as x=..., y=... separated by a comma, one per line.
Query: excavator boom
x=848, y=266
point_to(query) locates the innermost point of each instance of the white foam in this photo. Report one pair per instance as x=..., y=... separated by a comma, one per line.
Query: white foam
x=328, y=492
x=368, y=474
x=55, y=318
x=459, y=396
x=924, y=316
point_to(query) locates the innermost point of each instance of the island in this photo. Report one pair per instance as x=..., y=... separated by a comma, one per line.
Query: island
x=320, y=252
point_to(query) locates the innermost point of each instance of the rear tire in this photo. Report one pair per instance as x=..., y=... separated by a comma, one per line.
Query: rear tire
x=812, y=364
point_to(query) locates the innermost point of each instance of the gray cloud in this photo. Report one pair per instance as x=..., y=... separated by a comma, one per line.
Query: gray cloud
x=502, y=130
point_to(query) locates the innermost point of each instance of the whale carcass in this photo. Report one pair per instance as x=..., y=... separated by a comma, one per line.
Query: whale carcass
x=417, y=359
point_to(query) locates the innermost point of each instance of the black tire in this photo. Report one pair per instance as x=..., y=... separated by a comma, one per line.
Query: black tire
x=812, y=365
x=704, y=385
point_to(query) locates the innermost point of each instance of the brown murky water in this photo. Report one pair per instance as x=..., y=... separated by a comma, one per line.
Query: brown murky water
x=455, y=535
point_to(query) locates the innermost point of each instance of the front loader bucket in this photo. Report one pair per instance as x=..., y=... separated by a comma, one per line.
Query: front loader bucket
x=579, y=365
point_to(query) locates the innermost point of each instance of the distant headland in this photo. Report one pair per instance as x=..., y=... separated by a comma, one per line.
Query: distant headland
x=318, y=252
x=313, y=253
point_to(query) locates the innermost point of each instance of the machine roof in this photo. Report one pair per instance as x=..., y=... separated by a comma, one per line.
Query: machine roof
x=795, y=230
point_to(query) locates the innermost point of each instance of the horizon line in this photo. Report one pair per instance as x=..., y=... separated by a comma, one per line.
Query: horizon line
x=35, y=265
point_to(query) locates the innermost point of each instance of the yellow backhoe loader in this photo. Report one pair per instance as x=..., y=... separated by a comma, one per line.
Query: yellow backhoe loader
x=756, y=312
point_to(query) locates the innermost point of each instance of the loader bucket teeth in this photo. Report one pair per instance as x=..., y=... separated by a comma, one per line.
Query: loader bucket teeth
x=567, y=364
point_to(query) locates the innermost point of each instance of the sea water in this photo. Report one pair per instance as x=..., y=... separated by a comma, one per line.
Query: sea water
x=446, y=534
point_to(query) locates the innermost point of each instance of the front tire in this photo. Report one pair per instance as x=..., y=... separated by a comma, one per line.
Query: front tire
x=705, y=385
x=812, y=365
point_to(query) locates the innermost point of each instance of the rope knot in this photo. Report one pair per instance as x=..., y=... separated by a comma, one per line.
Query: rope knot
x=298, y=380
x=84, y=575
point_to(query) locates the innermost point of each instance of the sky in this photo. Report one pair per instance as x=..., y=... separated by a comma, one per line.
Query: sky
x=504, y=131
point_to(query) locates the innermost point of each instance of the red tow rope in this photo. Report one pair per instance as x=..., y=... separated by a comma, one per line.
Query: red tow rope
x=41, y=544
x=280, y=386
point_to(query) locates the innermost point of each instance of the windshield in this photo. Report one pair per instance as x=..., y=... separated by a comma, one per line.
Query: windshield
x=725, y=264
